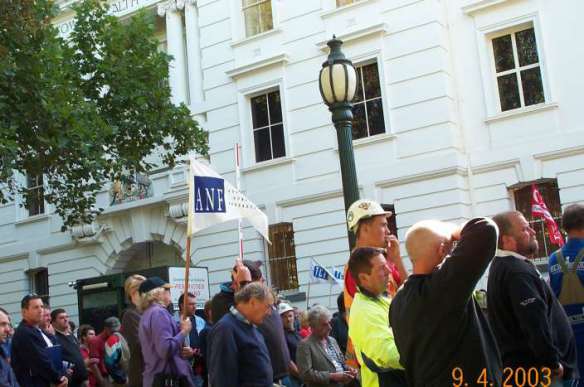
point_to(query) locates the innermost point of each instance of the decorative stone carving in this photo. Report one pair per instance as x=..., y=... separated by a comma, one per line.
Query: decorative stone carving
x=178, y=210
x=173, y=5
x=85, y=230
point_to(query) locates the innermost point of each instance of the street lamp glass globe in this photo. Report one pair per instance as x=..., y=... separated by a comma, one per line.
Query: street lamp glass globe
x=338, y=82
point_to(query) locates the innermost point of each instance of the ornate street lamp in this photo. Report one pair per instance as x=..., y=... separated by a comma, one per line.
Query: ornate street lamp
x=337, y=83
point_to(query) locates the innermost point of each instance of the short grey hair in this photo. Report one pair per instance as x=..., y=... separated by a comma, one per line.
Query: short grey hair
x=316, y=314
x=255, y=290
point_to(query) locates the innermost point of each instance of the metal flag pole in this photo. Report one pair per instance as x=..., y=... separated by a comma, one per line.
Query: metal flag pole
x=189, y=230
x=238, y=186
x=187, y=272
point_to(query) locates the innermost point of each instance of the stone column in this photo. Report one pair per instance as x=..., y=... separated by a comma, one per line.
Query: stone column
x=194, y=53
x=175, y=41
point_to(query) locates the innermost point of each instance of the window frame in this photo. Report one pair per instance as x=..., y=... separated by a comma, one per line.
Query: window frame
x=246, y=122
x=238, y=27
x=487, y=66
x=512, y=31
x=257, y=4
x=374, y=60
x=34, y=278
x=269, y=126
x=40, y=186
x=293, y=280
x=366, y=59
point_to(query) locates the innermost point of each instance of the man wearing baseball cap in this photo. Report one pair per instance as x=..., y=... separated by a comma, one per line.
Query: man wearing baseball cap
x=368, y=221
x=292, y=339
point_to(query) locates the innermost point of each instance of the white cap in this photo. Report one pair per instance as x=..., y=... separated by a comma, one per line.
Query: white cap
x=363, y=209
x=283, y=308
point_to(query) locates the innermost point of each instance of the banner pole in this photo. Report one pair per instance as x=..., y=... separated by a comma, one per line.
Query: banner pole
x=330, y=295
x=238, y=186
x=187, y=272
x=308, y=295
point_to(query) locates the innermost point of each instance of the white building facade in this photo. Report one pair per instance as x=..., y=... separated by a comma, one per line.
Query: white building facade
x=461, y=105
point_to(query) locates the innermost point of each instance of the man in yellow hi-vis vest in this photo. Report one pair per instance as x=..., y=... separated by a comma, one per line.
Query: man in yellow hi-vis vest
x=368, y=221
x=369, y=329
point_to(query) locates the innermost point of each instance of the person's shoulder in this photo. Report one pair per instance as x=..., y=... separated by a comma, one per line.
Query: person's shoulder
x=24, y=330
x=228, y=320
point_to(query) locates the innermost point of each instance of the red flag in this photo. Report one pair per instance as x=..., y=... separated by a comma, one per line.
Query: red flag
x=540, y=210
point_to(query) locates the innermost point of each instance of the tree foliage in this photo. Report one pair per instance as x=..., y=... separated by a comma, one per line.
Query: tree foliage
x=86, y=110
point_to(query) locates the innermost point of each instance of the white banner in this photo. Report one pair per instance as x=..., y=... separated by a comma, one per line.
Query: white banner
x=198, y=284
x=213, y=200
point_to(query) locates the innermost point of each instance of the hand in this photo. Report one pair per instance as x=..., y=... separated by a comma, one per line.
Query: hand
x=50, y=329
x=352, y=371
x=393, y=253
x=187, y=353
x=69, y=372
x=186, y=326
x=240, y=274
x=63, y=382
x=341, y=377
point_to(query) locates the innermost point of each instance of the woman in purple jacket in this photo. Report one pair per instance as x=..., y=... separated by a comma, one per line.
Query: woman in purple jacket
x=162, y=340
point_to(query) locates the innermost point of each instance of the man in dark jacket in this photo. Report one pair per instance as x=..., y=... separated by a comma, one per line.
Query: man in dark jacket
x=238, y=355
x=70, y=346
x=530, y=325
x=31, y=349
x=7, y=377
x=438, y=326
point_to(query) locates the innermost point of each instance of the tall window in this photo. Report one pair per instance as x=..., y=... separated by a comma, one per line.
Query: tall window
x=367, y=105
x=518, y=69
x=268, y=128
x=39, y=282
x=35, y=201
x=258, y=16
x=282, y=255
x=340, y=3
x=551, y=196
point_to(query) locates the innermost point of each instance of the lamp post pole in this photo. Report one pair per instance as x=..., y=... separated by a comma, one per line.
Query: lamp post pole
x=342, y=117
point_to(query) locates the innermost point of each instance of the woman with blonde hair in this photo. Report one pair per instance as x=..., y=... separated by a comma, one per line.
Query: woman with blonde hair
x=130, y=325
x=161, y=338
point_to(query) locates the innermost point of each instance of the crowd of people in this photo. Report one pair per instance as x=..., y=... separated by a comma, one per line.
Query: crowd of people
x=392, y=328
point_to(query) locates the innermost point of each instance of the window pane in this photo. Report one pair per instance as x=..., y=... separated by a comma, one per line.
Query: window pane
x=278, y=141
x=266, y=16
x=508, y=92
x=375, y=116
x=532, y=86
x=259, y=111
x=252, y=22
x=359, y=87
x=503, y=51
x=526, y=47
x=275, y=107
x=359, y=122
x=262, y=145
x=371, y=81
